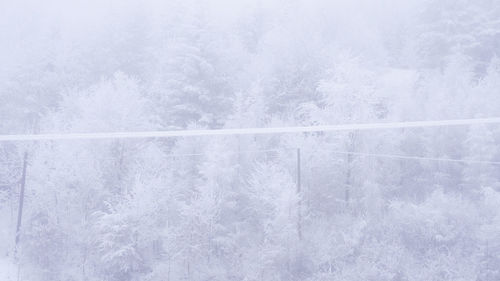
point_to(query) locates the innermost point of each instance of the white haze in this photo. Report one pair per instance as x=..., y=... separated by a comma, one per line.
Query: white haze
x=228, y=207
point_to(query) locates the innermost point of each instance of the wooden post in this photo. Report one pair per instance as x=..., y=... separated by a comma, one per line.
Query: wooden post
x=348, y=178
x=21, y=200
x=348, y=181
x=20, y=214
x=299, y=204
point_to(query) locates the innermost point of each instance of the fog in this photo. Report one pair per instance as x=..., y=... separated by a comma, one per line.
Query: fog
x=401, y=203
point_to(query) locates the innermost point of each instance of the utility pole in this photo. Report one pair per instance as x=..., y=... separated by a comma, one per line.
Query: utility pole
x=299, y=204
x=21, y=200
x=20, y=214
x=348, y=180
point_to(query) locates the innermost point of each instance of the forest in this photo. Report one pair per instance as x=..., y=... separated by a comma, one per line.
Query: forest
x=405, y=204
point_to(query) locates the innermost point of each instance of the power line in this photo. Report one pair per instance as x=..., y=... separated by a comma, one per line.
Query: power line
x=247, y=131
x=464, y=161
x=167, y=155
x=366, y=154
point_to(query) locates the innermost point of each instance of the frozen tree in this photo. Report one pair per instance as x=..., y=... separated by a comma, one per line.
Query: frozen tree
x=399, y=204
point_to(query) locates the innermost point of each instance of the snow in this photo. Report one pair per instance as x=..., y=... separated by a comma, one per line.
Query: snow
x=7, y=270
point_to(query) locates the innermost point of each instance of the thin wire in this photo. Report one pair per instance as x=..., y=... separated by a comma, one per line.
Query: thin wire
x=247, y=131
x=380, y=155
x=166, y=156
x=465, y=161
x=10, y=162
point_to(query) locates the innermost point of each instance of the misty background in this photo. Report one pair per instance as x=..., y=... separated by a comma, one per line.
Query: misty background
x=246, y=207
